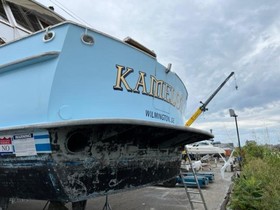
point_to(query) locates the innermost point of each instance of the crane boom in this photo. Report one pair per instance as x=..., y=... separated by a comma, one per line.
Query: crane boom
x=203, y=108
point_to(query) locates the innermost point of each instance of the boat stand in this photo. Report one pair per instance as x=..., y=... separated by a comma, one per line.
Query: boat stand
x=80, y=205
x=107, y=205
x=57, y=205
x=4, y=203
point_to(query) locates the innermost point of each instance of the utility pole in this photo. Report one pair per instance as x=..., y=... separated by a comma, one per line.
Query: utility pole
x=232, y=114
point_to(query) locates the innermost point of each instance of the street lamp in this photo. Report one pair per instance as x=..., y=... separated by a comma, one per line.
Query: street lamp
x=232, y=114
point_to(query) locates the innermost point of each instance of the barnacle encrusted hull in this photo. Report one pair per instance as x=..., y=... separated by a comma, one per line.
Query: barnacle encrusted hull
x=90, y=160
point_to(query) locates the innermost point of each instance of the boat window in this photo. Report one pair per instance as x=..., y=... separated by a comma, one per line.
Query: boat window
x=202, y=144
x=25, y=18
x=3, y=15
x=43, y=23
x=33, y=20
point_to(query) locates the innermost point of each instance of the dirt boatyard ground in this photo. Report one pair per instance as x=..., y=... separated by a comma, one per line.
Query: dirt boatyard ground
x=152, y=198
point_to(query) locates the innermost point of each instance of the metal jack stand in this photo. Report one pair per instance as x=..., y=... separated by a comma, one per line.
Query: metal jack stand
x=107, y=205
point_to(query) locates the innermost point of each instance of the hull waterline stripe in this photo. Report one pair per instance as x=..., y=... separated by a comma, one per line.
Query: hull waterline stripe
x=46, y=136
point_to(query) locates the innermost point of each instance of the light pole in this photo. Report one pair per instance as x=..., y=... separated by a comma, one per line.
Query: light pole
x=232, y=114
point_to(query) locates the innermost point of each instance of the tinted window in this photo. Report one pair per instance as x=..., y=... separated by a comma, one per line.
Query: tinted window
x=25, y=18
x=3, y=15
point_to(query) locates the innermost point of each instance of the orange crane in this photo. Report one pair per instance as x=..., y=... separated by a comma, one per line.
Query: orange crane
x=203, y=108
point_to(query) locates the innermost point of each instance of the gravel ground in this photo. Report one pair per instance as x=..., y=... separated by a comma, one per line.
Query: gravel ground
x=151, y=198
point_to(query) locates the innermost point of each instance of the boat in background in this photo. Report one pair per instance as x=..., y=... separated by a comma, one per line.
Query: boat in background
x=83, y=114
x=204, y=148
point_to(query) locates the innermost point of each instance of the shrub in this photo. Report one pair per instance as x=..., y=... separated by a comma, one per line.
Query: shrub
x=259, y=184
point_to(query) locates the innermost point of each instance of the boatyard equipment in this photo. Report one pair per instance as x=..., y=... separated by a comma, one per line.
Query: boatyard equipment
x=194, y=191
x=209, y=175
x=203, y=108
x=189, y=180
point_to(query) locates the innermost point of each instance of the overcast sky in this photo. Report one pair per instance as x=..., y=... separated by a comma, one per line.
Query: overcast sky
x=205, y=40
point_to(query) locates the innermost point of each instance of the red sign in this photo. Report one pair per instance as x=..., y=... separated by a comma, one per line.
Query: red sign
x=6, y=145
x=5, y=140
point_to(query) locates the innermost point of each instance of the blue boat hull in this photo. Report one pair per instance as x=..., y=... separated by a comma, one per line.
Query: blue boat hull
x=82, y=119
x=65, y=80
